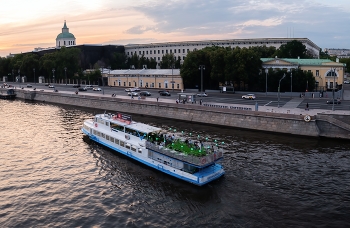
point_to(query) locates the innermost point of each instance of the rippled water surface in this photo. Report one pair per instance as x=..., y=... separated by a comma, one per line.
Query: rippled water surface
x=51, y=177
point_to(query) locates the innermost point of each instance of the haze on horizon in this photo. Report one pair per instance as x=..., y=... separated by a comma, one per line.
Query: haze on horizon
x=26, y=25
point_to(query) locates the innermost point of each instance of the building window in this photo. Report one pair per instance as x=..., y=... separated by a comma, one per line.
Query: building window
x=150, y=52
x=317, y=73
x=174, y=50
x=171, y=51
x=129, y=83
x=183, y=50
x=146, y=52
x=124, y=84
x=179, y=50
x=178, y=86
x=143, y=52
x=158, y=51
x=128, y=53
x=64, y=42
x=183, y=57
x=188, y=50
x=160, y=85
x=166, y=51
x=162, y=51
x=139, y=52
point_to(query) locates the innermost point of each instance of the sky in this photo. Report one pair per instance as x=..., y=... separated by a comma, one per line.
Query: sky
x=25, y=25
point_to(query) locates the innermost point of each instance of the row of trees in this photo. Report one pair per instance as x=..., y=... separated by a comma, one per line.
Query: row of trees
x=63, y=64
x=241, y=68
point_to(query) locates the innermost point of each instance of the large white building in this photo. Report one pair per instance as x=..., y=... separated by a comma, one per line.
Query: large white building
x=180, y=49
x=65, y=38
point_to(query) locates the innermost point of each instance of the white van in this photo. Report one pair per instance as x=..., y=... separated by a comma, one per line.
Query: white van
x=89, y=87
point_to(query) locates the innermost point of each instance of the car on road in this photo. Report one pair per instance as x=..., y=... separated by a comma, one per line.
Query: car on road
x=89, y=87
x=29, y=86
x=134, y=94
x=202, y=94
x=136, y=89
x=164, y=93
x=82, y=89
x=76, y=86
x=51, y=86
x=249, y=96
x=96, y=89
x=145, y=93
x=335, y=101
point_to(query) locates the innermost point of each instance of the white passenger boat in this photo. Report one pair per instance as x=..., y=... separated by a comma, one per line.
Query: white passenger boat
x=191, y=161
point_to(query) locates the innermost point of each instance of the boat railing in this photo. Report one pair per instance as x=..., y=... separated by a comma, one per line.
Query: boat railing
x=199, y=161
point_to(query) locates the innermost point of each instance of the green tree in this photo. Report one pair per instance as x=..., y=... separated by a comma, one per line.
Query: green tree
x=168, y=60
x=293, y=49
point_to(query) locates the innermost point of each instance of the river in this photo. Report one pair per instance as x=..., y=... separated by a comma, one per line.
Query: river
x=51, y=177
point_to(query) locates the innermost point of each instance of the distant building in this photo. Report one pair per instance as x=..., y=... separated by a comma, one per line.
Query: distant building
x=180, y=49
x=65, y=38
x=338, y=52
x=325, y=71
x=166, y=79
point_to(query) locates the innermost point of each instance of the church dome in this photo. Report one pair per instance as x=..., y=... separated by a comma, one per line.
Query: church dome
x=65, y=37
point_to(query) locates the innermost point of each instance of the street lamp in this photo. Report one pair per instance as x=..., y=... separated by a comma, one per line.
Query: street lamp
x=19, y=75
x=103, y=90
x=279, y=85
x=201, y=68
x=53, y=75
x=13, y=76
x=172, y=76
x=291, y=82
x=65, y=73
x=34, y=74
x=266, y=71
x=333, y=74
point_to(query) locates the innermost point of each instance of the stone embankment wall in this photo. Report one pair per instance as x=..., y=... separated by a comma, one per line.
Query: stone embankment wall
x=332, y=126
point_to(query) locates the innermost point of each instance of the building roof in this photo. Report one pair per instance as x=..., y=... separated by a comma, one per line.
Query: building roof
x=309, y=62
x=143, y=71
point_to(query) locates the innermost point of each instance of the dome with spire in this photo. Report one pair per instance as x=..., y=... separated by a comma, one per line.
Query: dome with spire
x=65, y=38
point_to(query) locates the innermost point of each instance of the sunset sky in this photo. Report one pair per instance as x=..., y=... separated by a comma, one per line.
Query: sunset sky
x=25, y=25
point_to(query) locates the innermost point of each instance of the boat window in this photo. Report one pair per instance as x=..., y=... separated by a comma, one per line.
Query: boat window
x=98, y=133
x=107, y=137
x=111, y=139
x=121, y=143
x=116, y=141
x=107, y=123
x=117, y=127
x=133, y=148
x=131, y=131
x=127, y=146
x=140, y=150
x=103, y=135
x=94, y=132
x=101, y=121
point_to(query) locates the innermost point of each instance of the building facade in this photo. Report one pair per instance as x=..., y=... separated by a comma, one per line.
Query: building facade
x=167, y=79
x=328, y=74
x=180, y=49
x=65, y=38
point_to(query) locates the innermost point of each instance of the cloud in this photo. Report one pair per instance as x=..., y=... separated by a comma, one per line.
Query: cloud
x=138, y=30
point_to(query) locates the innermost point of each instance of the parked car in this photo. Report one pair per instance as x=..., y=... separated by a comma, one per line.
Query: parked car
x=249, y=96
x=145, y=93
x=82, y=89
x=164, y=93
x=134, y=94
x=29, y=86
x=51, y=86
x=96, y=89
x=336, y=101
x=76, y=86
x=202, y=94
x=346, y=82
x=89, y=87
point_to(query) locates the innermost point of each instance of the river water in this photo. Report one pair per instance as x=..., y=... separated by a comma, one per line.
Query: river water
x=51, y=177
